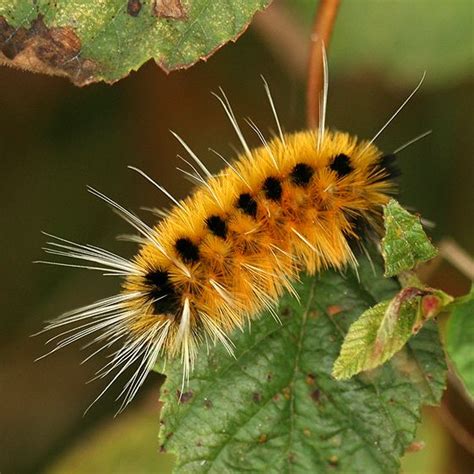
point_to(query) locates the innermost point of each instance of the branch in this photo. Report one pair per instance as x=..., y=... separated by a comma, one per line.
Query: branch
x=455, y=428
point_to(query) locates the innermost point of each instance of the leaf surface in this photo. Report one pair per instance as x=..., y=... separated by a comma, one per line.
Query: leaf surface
x=405, y=243
x=90, y=41
x=276, y=407
x=460, y=340
x=385, y=328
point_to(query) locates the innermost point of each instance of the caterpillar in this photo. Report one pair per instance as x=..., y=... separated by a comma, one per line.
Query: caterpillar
x=300, y=202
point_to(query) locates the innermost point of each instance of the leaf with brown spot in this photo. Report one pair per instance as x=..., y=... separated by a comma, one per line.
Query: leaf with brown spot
x=385, y=328
x=134, y=7
x=89, y=44
x=183, y=397
x=54, y=51
x=169, y=9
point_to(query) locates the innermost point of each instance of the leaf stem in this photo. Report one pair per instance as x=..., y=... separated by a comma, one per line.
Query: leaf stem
x=322, y=29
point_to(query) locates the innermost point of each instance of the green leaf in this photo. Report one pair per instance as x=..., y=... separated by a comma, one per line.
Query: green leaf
x=405, y=243
x=384, y=329
x=460, y=340
x=89, y=43
x=276, y=407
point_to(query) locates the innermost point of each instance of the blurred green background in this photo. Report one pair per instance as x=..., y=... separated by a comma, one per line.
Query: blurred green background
x=56, y=138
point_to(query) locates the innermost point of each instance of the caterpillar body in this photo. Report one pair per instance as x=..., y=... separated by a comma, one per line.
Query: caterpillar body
x=229, y=250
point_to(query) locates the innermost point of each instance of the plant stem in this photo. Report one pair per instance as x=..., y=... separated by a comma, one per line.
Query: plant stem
x=321, y=32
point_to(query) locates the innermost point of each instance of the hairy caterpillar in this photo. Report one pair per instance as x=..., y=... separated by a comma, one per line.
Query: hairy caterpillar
x=228, y=251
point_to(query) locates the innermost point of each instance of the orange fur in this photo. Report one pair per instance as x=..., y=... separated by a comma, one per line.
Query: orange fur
x=235, y=277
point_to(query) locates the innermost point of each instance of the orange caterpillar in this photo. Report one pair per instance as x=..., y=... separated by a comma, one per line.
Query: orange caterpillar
x=229, y=250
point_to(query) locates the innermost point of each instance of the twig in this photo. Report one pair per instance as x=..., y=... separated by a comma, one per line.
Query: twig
x=457, y=257
x=322, y=29
x=451, y=252
x=456, y=384
x=457, y=431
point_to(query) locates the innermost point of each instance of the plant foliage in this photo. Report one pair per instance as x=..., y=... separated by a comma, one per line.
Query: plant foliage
x=460, y=340
x=276, y=406
x=88, y=42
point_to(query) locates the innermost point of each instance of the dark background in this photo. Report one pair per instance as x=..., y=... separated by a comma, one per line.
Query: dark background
x=56, y=138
